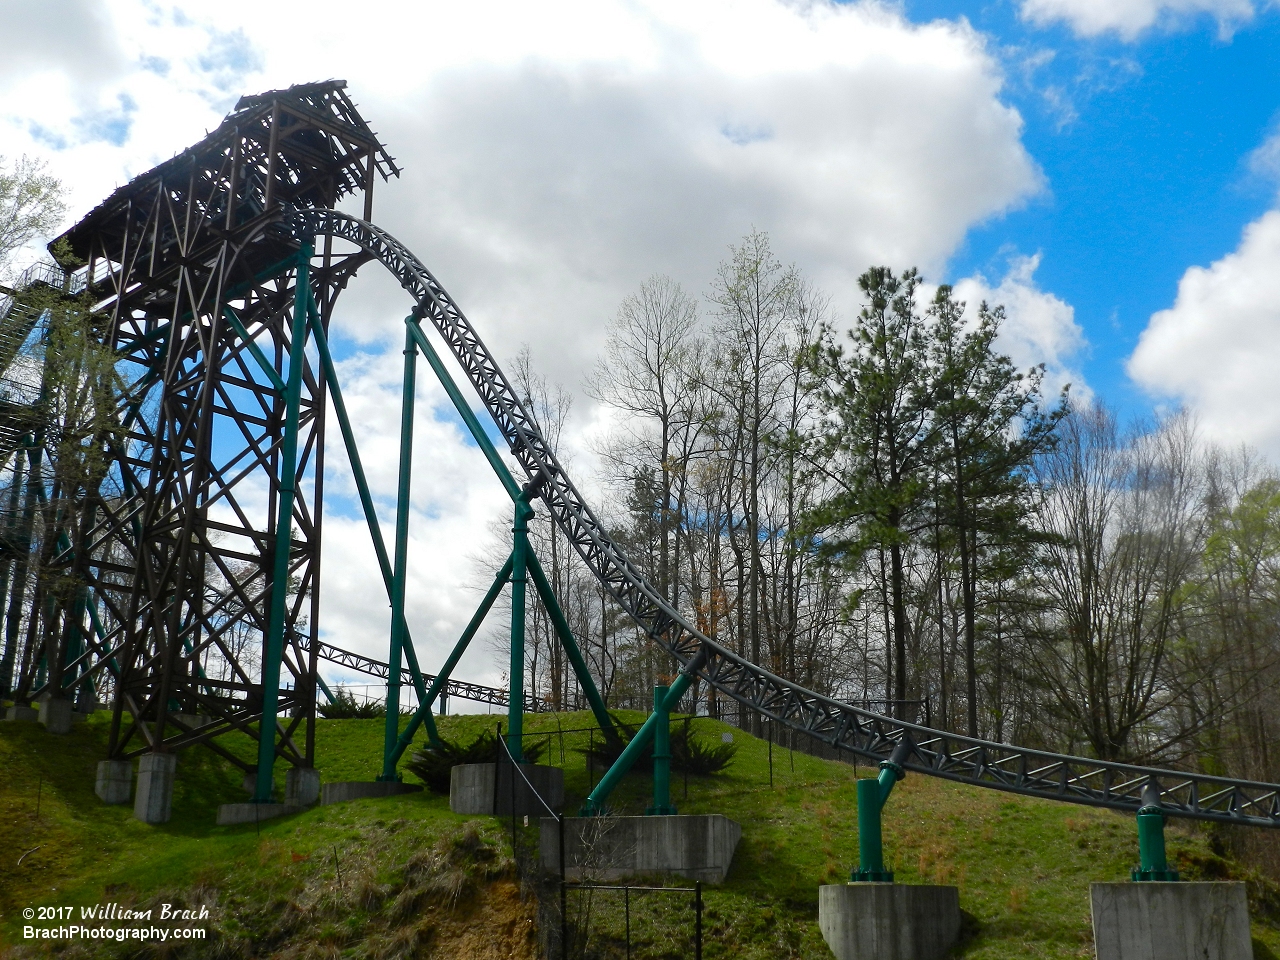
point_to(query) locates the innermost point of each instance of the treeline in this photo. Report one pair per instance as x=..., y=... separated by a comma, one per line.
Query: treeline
x=888, y=511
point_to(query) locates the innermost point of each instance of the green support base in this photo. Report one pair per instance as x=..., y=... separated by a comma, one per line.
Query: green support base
x=660, y=811
x=871, y=876
x=1139, y=875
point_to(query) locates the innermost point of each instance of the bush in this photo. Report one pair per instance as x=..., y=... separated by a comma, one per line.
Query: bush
x=346, y=707
x=689, y=753
x=433, y=765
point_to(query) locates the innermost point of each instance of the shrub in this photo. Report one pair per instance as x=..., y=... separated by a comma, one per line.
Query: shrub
x=346, y=707
x=433, y=765
x=689, y=753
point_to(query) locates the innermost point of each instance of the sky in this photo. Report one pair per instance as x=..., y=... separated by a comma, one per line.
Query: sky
x=1109, y=170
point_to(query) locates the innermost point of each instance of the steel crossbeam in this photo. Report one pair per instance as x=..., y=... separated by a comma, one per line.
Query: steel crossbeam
x=867, y=734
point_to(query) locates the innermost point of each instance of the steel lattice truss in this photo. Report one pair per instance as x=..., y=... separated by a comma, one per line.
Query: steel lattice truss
x=453, y=688
x=177, y=544
x=869, y=735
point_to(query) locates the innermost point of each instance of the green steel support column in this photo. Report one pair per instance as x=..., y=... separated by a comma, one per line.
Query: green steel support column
x=872, y=795
x=662, y=805
x=362, y=484
x=1153, y=863
x=409, y=393
x=571, y=648
x=464, y=410
x=519, y=568
x=423, y=713
x=595, y=803
x=273, y=648
x=324, y=687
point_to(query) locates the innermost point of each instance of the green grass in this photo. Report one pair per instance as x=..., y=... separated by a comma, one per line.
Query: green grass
x=414, y=873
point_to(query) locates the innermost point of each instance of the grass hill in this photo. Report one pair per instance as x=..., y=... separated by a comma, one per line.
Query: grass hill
x=405, y=877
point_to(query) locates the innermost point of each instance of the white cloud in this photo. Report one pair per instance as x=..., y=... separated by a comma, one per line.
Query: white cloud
x=1039, y=327
x=1130, y=18
x=1217, y=348
x=555, y=155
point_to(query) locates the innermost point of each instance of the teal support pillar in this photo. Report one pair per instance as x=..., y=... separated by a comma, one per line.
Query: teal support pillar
x=273, y=646
x=519, y=575
x=423, y=713
x=1153, y=863
x=400, y=570
x=662, y=806
x=595, y=803
x=872, y=795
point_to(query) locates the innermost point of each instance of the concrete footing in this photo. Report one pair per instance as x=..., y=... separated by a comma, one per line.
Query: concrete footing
x=362, y=789
x=1170, y=921
x=55, y=714
x=471, y=789
x=888, y=921
x=154, y=796
x=114, y=783
x=301, y=786
x=233, y=813
x=611, y=848
x=19, y=712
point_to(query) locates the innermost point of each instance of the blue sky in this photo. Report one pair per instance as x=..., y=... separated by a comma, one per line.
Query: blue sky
x=1146, y=165
x=1108, y=169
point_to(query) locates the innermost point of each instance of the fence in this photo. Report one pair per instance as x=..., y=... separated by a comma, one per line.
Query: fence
x=573, y=941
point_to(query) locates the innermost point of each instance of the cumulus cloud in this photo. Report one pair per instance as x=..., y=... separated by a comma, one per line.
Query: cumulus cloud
x=1217, y=348
x=1039, y=327
x=555, y=155
x=1130, y=18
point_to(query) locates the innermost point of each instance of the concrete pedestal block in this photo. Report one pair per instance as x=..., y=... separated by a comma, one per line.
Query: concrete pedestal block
x=55, y=714
x=471, y=789
x=154, y=796
x=362, y=789
x=611, y=848
x=18, y=712
x=888, y=921
x=114, y=783
x=233, y=813
x=302, y=786
x=1170, y=921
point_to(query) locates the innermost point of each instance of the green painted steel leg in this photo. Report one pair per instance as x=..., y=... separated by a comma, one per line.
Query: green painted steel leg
x=662, y=806
x=400, y=572
x=519, y=568
x=595, y=803
x=362, y=485
x=571, y=648
x=273, y=647
x=872, y=795
x=324, y=688
x=423, y=713
x=1153, y=863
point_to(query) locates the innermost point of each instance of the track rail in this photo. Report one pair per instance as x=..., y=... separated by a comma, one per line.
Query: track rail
x=453, y=688
x=869, y=735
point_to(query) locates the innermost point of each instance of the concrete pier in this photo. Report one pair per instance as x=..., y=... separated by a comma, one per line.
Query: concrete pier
x=1170, y=921
x=302, y=786
x=888, y=921
x=55, y=714
x=233, y=813
x=611, y=848
x=362, y=789
x=472, y=790
x=114, y=783
x=154, y=796
x=19, y=712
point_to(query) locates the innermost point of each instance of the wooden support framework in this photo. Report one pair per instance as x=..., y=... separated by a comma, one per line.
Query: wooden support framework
x=176, y=546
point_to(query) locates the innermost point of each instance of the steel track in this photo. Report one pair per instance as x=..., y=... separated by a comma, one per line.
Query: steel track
x=869, y=735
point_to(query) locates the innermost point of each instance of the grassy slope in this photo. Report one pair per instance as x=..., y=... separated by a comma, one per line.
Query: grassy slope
x=1022, y=866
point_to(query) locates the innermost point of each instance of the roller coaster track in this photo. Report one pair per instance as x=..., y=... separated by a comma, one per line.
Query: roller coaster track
x=453, y=688
x=869, y=735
